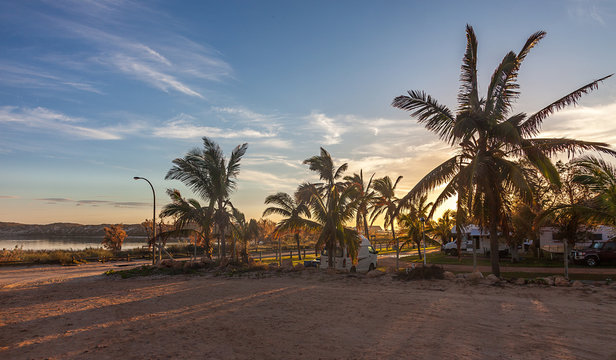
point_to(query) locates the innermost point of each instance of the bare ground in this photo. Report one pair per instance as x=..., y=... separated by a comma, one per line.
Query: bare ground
x=298, y=315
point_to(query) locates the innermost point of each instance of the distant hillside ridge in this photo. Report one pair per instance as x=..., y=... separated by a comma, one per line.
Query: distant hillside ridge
x=8, y=229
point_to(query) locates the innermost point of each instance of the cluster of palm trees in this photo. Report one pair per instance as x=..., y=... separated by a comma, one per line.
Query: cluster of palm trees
x=489, y=139
x=497, y=163
x=328, y=206
x=210, y=175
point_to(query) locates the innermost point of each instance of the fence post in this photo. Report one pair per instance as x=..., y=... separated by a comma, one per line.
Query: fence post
x=304, y=253
x=260, y=258
x=291, y=254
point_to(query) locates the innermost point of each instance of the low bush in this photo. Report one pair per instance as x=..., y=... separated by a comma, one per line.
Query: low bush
x=421, y=273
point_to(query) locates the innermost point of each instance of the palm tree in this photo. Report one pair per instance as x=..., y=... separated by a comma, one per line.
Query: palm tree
x=363, y=195
x=331, y=204
x=386, y=204
x=243, y=231
x=489, y=138
x=443, y=226
x=411, y=223
x=291, y=208
x=599, y=177
x=189, y=213
x=208, y=173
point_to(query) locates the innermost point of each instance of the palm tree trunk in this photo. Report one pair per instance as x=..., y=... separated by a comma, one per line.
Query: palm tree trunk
x=393, y=233
x=494, y=246
x=419, y=249
x=299, y=252
x=366, y=232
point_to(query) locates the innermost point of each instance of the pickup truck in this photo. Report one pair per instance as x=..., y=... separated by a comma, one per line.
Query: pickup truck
x=596, y=253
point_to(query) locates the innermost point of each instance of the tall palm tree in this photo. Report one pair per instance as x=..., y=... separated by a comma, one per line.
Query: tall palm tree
x=295, y=214
x=363, y=195
x=331, y=204
x=208, y=173
x=386, y=204
x=190, y=218
x=489, y=138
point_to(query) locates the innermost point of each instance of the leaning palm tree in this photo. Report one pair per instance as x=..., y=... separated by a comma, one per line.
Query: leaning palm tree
x=386, y=205
x=489, y=138
x=331, y=204
x=363, y=195
x=295, y=214
x=190, y=219
x=208, y=173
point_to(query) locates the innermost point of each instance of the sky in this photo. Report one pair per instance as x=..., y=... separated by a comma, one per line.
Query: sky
x=93, y=93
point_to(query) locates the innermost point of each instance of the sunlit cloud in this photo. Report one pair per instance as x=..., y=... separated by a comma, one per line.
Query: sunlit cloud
x=270, y=181
x=596, y=123
x=332, y=129
x=45, y=119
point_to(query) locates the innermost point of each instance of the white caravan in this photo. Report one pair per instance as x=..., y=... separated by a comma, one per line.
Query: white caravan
x=366, y=257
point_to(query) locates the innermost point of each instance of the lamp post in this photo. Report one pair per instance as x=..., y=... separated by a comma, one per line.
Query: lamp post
x=423, y=238
x=153, y=217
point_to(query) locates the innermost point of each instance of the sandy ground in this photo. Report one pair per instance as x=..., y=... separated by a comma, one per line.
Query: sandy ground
x=297, y=315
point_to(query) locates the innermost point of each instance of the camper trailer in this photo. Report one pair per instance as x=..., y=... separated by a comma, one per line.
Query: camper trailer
x=366, y=258
x=480, y=238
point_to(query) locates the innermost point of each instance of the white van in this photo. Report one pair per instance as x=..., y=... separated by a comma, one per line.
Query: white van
x=366, y=258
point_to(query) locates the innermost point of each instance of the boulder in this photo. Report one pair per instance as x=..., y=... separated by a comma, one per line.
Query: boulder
x=287, y=264
x=448, y=275
x=167, y=263
x=492, y=279
x=374, y=273
x=461, y=276
x=577, y=284
x=520, y=281
x=273, y=266
x=561, y=281
x=548, y=280
x=475, y=276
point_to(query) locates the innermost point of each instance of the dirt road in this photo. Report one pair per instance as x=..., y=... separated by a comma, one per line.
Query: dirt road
x=304, y=315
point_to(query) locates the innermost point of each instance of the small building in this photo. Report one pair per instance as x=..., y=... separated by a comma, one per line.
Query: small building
x=551, y=238
x=473, y=234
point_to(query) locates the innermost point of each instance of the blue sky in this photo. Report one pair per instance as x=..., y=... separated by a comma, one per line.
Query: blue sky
x=93, y=93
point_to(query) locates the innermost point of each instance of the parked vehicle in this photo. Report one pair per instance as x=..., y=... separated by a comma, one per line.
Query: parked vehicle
x=366, y=258
x=596, y=253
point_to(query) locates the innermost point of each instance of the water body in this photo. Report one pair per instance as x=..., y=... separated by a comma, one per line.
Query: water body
x=68, y=243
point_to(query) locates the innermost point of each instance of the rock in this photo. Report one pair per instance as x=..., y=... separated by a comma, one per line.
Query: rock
x=548, y=280
x=577, y=284
x=461, y=276
x=374, y=273
x=287, y=264
x=167, y=263
x=477, y=275
x=561, y=281
x=272, y=266
x=520, y=281
x=448, y=275
x=492, y=278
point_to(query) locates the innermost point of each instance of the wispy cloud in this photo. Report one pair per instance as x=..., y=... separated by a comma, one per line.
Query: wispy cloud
x=269, y=181
x=9, y=197
x=168, y=62
x=183, y=127
x=596, y=123
x=586, y=11
x=45, y=119
x=33, y=77
x=331, y=128
x=93, y=203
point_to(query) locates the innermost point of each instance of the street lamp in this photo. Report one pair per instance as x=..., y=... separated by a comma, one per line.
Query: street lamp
x=423, y=237
x=153, y=217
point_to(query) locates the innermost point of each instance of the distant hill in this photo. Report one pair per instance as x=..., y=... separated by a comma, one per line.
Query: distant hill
x=9, y=229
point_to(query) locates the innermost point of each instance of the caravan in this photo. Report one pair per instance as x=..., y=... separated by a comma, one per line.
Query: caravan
x=366, y=258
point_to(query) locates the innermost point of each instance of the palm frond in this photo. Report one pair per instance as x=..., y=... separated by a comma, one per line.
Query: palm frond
x=434, y=116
